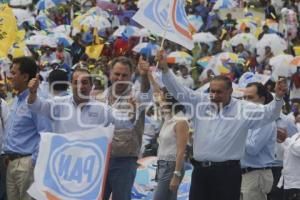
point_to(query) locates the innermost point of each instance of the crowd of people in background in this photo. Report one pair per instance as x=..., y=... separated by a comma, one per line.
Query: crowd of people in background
x=244, y=158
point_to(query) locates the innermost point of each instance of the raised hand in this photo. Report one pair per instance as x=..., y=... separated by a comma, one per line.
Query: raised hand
x=281, y=135
x=281, y=88
x=162, y=61
x=34, y=84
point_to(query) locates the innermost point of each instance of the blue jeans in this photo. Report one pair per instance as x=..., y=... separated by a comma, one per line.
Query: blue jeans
x=120, y=178
x=164, y=173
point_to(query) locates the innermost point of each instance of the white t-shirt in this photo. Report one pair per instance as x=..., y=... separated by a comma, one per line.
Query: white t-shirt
x=186, y=81
x=290, y=175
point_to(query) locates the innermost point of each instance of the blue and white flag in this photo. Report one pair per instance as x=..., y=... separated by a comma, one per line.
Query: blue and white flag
x=46, y=4
x=166, y=18
x=72, y=166
x=224, y=4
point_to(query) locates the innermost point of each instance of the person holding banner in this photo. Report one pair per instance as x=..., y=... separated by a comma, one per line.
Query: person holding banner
x=79, y=112
x=126, y=142
x=221, y=126
x=22, y=132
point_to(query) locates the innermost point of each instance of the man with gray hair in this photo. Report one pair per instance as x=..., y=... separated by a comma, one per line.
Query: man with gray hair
x=221, y=125
x=125, y=147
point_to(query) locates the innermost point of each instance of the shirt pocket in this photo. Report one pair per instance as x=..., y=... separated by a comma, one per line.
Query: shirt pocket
x=23, y=111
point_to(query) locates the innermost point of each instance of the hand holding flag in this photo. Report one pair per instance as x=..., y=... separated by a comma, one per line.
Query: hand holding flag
x=162, y=61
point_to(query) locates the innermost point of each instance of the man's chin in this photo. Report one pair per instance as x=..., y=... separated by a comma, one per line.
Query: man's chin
x=216, y=102
x=120, y=89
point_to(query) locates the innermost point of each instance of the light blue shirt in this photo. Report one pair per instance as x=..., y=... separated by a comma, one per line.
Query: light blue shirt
x=23, y=128
x=221, y=136
x=68, y=117
x=260, y=147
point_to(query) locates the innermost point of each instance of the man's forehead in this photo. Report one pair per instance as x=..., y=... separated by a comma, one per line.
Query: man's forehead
x=217, y=82
x=121, y=67
x=81, y=75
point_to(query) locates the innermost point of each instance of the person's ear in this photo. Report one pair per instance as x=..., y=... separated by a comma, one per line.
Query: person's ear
x=230, y=91
x=26, y=77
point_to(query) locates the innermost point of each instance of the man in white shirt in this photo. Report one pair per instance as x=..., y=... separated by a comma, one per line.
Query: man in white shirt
x=221, y=125
x=75, y=112
x=185, y=78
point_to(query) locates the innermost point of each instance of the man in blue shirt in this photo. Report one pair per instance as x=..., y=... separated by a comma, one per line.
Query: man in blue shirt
x=256, y=164
x=21, y=132
x=202, y=10
x=221, y=126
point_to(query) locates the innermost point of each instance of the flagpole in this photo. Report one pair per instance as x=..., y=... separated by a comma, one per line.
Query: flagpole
x=164, y=35
x=163, y=40
x=162, y=44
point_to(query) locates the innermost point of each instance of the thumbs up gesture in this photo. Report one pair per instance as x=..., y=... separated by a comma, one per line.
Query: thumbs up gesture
x=34, y=84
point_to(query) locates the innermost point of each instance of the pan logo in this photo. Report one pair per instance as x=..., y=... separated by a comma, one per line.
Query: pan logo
x=157, y=12
x=75, y=169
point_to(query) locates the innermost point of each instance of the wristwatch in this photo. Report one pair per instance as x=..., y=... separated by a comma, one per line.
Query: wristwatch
x=178, y=174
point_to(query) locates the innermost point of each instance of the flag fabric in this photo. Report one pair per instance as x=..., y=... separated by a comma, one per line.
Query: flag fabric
x=94, y=51
x=46, y=4
x=180, y=23
x=8, y=29
x=18, y=50
x=73, y=165
x=166, y=18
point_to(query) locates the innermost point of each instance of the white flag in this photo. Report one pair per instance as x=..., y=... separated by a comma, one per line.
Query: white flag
x=166, y=18
x=72, y=166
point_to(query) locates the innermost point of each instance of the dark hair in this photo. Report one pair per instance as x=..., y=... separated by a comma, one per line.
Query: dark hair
x=27, y=65
x=262, y=91
x=223, y=78
x=296, y=113
x=82, y=70
x=175, y=105
x=123, y=60
x=58, y=75
x=265, y=27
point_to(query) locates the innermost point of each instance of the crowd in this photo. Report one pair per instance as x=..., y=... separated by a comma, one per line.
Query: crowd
x=230, y=106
